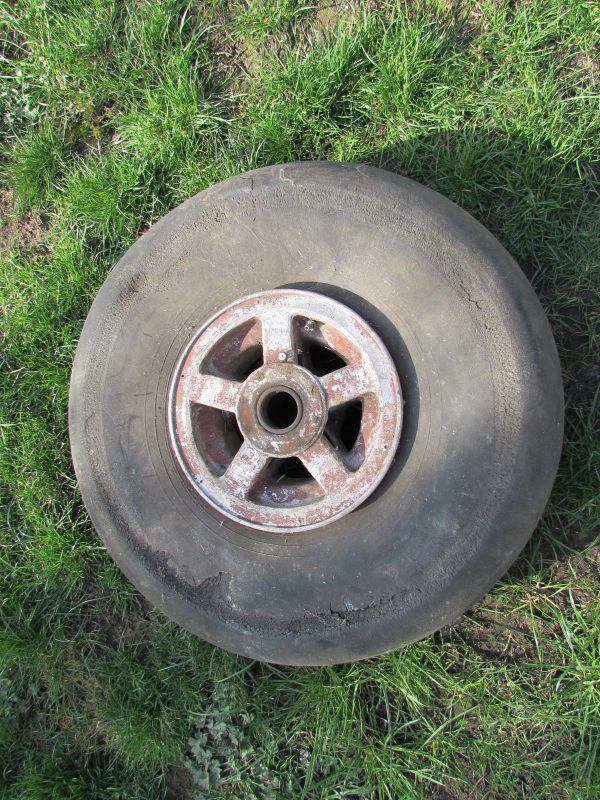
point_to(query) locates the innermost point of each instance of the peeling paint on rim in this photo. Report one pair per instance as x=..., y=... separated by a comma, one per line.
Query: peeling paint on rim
x=281, y=477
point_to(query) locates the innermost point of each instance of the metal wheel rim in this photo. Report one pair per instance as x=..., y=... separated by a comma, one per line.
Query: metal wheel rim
x=261, y=344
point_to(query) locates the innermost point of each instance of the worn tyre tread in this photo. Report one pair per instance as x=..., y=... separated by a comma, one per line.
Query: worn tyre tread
x=483, y=415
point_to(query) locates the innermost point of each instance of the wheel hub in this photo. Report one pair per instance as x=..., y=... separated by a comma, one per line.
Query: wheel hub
x=285, y=410
x=282, y=409
x=279, y=410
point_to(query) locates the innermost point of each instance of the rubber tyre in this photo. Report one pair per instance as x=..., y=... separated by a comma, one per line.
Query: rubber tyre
x=482, y=426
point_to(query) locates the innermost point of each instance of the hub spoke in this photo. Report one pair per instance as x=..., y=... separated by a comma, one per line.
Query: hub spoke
x=345, y=384
x=216, y=392
x=278, y=339
x=325, y=465
x=243, y=471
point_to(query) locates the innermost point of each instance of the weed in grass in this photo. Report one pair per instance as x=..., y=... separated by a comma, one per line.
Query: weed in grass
x=112, y=113
x=223, y=755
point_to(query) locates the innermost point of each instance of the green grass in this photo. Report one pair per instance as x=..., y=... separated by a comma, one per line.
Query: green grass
x=114, y=111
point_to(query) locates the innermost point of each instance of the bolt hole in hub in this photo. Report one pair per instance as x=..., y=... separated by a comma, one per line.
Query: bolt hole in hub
x=279, y=410
x=316, y=431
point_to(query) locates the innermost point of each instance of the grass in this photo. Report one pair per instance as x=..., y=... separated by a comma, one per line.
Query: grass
x=114, y=111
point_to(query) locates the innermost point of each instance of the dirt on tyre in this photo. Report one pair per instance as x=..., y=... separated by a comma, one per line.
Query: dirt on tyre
x=315, y=413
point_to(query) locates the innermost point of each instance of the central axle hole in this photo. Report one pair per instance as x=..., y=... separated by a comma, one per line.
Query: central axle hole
x=279, y=410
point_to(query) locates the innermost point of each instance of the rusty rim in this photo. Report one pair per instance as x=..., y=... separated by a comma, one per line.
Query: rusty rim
x=285, y=410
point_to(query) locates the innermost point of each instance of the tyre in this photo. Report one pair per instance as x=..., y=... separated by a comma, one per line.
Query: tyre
x=315, y=413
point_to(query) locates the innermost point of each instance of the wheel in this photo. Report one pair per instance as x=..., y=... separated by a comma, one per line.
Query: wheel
x=315, y=413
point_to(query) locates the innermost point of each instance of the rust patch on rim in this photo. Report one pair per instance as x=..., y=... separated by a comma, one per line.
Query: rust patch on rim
x=285, y=410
